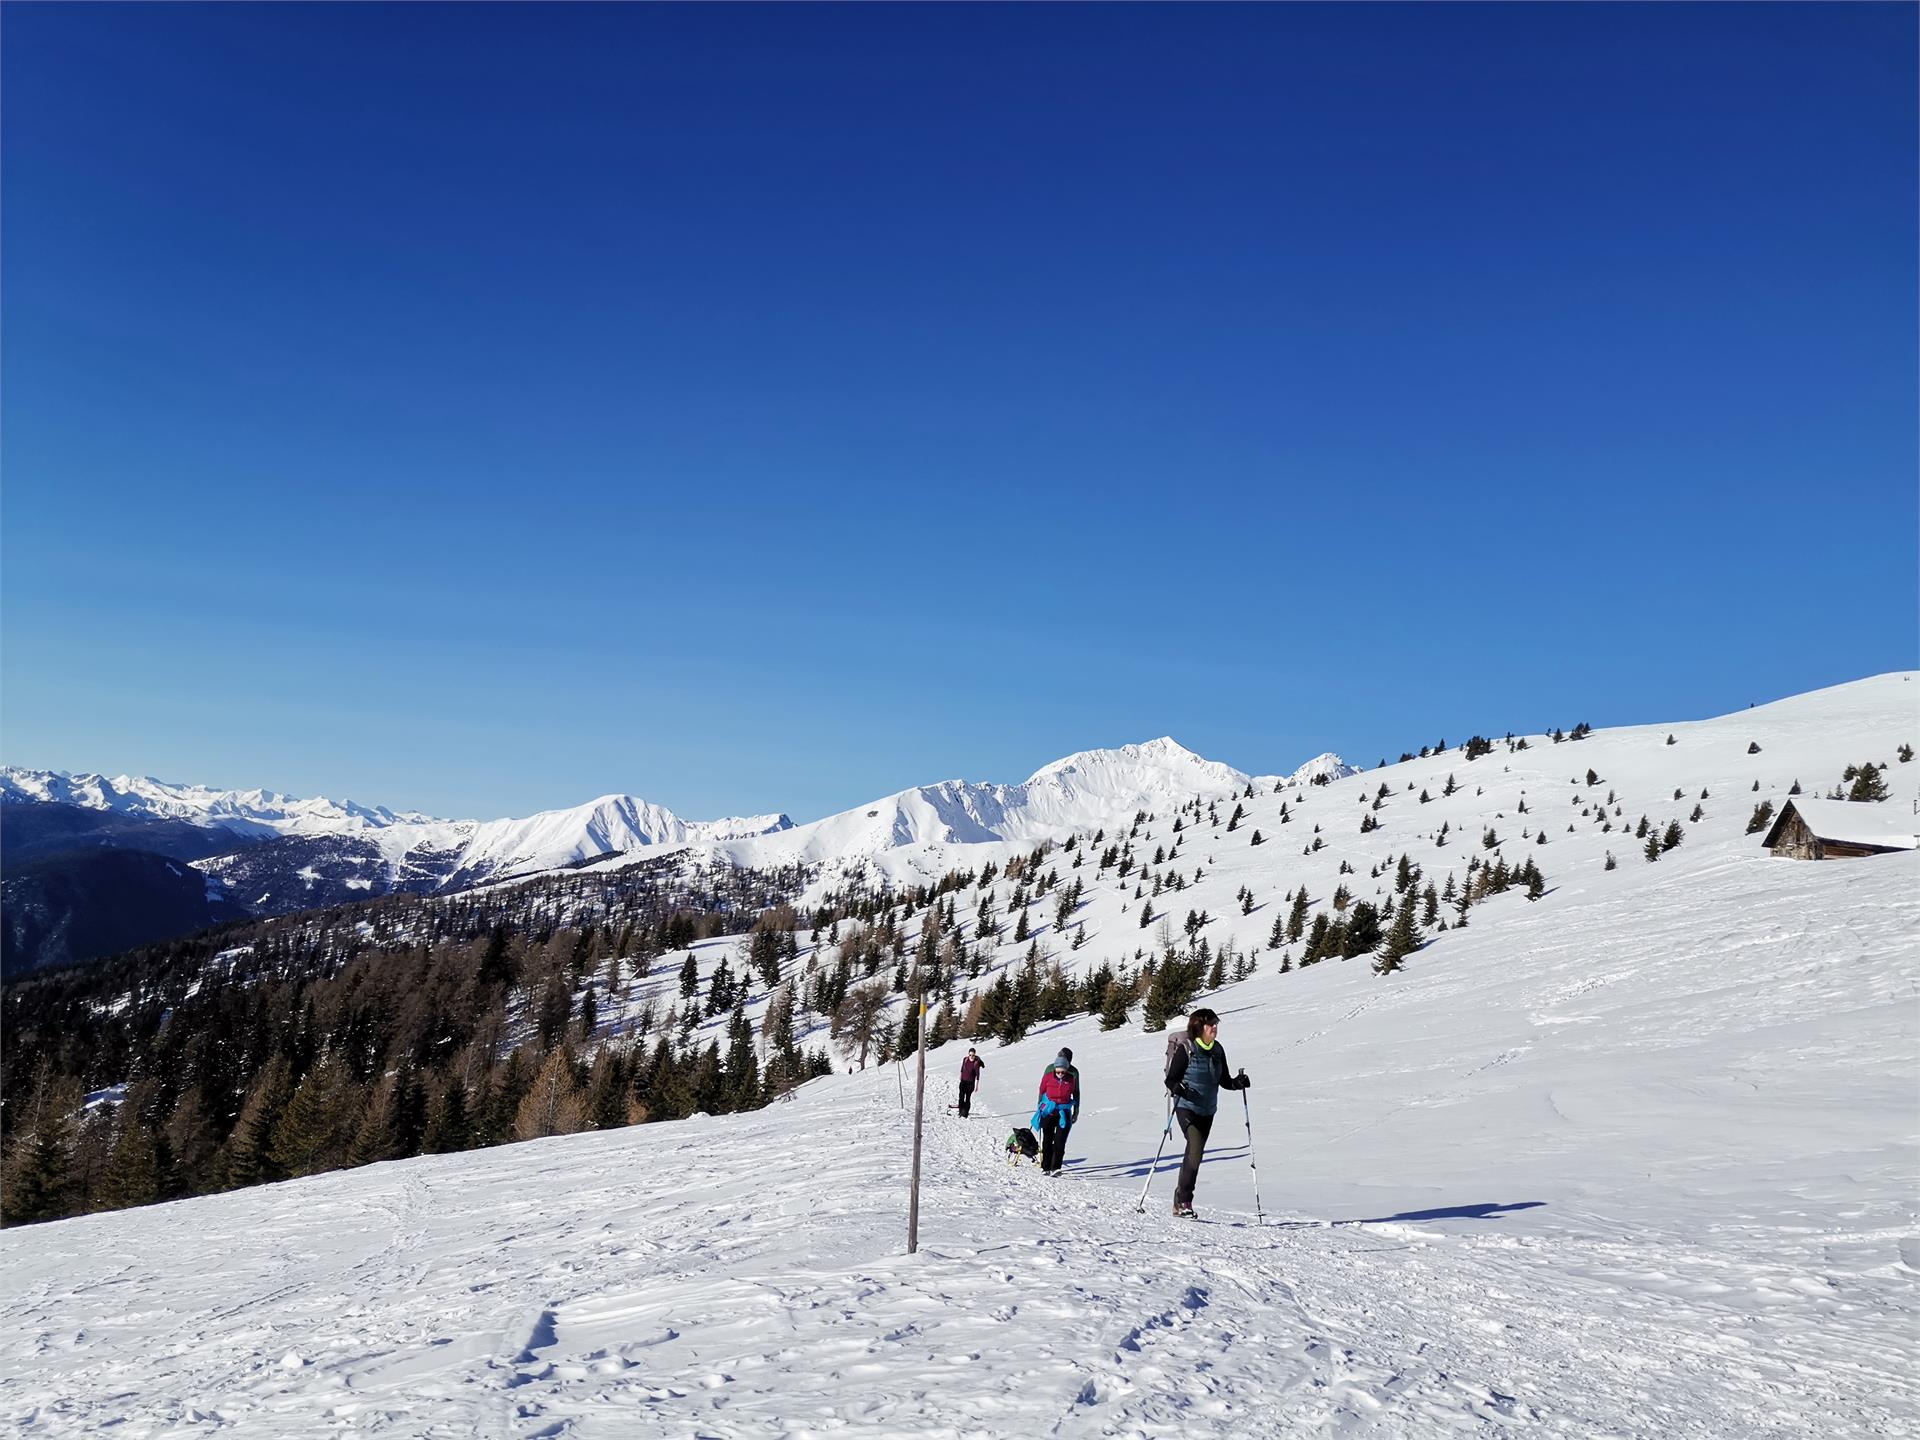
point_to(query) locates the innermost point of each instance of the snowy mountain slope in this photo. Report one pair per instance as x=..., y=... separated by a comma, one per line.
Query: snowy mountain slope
x=1635, y=1160
x=1075, y=792
x=915, y=836
x=611, y=825
x=1241, y=888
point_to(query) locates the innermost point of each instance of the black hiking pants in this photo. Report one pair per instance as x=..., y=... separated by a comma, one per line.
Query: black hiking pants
x=966, y=1097
x=1053, y=1142
x=1195, y=1128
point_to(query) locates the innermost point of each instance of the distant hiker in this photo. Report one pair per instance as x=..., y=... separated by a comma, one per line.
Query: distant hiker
x=1059, y=1108
x=970, y=1069
x=1196, y=1074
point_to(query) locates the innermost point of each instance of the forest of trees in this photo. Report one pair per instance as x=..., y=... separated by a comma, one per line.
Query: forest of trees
x=274, y=1048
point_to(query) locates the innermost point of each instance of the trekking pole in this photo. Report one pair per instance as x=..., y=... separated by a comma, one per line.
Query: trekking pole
x=1142, y=1206
x=1258, y=1217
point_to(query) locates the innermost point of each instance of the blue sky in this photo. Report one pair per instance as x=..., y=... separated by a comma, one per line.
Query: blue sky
x=482, y=409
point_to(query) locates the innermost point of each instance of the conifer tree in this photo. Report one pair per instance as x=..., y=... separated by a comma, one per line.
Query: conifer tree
x=245, y=1159
x=133, y=1171
x=1316, y=941
x=1297, y=916
x=448, y=1127
x=38, y=1174
x=1868, y=783
x=663, y=1092
x=1400, y=941
x=311, y=1132
x=190, y=1146
x=742, y=1065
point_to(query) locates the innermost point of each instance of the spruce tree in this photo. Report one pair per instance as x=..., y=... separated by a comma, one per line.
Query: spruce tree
x=245, y=1159
x=447, y=1123
x=133, y=1173
x=1401, y=941
x=39, y=1170
x=311, y=1135
x=1868, y=784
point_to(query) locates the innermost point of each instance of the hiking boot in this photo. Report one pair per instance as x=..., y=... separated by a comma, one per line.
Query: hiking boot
x=1182, y=1211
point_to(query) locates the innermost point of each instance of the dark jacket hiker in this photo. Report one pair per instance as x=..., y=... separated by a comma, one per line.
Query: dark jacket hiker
x=970, y=1069
x=1196, y=1074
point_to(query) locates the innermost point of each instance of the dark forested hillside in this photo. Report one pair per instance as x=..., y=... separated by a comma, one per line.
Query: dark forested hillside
x=270, y=1048
x=74, y=906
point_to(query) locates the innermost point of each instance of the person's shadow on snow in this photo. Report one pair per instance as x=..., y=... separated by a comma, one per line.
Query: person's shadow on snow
x=1486, y=1211
x=1145, y=1162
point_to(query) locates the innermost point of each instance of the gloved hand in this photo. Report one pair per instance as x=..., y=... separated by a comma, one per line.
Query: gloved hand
x=1244, y=1081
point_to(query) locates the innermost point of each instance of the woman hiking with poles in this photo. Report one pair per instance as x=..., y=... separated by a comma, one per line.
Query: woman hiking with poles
x=1196, y=1074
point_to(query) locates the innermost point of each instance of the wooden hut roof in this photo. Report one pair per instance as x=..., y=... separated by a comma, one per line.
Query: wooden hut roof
x=1885, y=825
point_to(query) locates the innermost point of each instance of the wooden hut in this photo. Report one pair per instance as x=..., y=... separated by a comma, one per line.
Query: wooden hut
x=1842, y=829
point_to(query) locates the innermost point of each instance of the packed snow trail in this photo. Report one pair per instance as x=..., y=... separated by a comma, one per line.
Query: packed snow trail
x=627, y=1284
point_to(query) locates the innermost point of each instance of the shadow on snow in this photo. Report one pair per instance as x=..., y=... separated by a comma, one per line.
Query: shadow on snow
x=1488, y=1210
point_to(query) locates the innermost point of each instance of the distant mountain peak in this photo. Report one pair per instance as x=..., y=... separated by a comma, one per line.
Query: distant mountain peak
x=1165, y=752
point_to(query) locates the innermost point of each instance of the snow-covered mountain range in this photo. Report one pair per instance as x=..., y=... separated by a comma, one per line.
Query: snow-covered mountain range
x=258, y=814
x=291, y=854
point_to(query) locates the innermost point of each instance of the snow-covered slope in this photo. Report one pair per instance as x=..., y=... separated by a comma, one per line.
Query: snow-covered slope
x=1636, y=1160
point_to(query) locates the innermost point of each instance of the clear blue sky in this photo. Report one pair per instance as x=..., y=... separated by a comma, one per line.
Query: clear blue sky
x=482, y=409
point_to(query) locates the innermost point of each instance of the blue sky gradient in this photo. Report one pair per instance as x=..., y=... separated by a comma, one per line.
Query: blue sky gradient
x=480, y=409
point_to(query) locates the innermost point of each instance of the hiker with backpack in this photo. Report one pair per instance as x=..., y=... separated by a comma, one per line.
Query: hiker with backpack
x=970, y=1069
x=1196, y=1074
x=1073, y=1079
x=1059, y=1108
